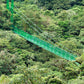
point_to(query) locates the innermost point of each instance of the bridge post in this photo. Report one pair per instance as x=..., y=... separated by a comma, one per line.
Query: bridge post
x=12, y=6
x=7, y=4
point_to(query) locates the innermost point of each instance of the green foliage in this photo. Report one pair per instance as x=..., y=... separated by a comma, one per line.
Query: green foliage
x=80, y=59
x=4, y=79
x=70, y=73
x=79, y=80
x=25, y=63
x=4, y=18
x=8, y=62
x=62, y=4
x=53, y=80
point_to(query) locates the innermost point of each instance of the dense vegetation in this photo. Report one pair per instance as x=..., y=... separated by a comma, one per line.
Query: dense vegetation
x=22, y=62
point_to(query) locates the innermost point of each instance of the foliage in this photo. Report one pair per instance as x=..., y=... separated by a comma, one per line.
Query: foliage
x=4, y=18
x=77, y=81
x=22, y=62
x=62, y=4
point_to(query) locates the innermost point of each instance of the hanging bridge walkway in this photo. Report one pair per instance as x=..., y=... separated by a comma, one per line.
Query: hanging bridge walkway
x=41, y=43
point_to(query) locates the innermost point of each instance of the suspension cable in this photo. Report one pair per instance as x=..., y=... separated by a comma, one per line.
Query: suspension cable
x=29, y=20
x=30, y=25
x=40, y=29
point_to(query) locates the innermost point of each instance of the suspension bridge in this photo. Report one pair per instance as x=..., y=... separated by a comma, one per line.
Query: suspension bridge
x=37, y=41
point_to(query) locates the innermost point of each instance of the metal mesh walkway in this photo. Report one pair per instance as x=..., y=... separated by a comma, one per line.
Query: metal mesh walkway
x=58, y=51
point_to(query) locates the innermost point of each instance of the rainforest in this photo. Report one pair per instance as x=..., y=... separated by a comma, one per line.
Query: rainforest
x=52, y=22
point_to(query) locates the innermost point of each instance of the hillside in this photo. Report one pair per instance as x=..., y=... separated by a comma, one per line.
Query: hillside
x=61, y=23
